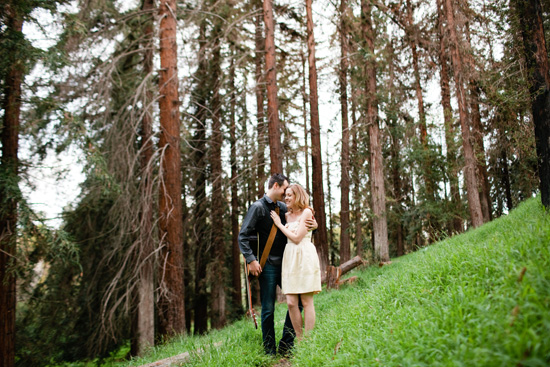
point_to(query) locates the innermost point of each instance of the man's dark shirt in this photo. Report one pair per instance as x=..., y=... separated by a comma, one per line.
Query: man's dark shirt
x=258, y=222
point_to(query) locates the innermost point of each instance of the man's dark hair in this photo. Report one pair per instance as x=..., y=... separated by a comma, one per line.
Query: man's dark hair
x=279, y=178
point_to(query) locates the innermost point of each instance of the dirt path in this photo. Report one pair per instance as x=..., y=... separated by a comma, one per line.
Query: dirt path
x=167, y=362
x=177, y=359
x=283, y=362
x=184, y=357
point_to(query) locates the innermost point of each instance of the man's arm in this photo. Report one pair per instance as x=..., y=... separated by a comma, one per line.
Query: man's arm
x=248, y=237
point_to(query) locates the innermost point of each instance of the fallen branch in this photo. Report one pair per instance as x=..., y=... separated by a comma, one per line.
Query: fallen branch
x=334, y=274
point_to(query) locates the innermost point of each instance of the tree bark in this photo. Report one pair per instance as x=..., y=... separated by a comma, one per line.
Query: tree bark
x=171, y=299
x=378, y=192
x=474, y=204
x=345, y=163
x=444, y=80
x=200, y=303
x=9, y=193
x=529, y=14
x=144, y=336
x=304, y=116
x=259, y=89
x=330, y=232
x=187, y=249
x=477, y=134
x=504, y=169
x=356, y=192
x=321, y=240
x=481, y=165
x=275, y=149
x=395, y=156
x=335, y=273
x=396, y=178
x=400, y=248
x=412, y=34
x=218, y=287
x=236, y=294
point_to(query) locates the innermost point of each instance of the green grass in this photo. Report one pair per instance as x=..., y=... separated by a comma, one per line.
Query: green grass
x=459, y=302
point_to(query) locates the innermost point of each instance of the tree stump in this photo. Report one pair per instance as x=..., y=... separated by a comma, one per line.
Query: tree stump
x=334, y=273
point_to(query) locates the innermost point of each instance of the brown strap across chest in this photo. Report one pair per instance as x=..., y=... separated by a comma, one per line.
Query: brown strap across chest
x=269, y=242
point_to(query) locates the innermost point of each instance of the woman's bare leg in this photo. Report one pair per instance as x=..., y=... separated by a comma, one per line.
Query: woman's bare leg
x=293, y=301
x=309, y=311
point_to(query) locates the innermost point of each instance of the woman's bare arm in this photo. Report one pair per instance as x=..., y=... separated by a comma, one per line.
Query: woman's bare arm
x=297, y=236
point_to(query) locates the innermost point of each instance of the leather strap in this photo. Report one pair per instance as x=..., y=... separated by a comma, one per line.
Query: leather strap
x=269, y=242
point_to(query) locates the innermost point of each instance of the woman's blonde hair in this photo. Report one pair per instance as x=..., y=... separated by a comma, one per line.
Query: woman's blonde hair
x=302, y=198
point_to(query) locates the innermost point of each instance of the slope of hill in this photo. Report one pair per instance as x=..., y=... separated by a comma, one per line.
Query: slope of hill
x=478, y=299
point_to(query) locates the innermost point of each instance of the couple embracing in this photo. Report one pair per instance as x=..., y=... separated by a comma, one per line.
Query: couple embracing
x=291, y=262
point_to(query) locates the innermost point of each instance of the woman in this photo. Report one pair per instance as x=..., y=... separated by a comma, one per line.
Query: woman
x=301, y=275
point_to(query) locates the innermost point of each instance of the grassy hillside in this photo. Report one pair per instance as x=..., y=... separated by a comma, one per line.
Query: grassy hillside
x=478, y=299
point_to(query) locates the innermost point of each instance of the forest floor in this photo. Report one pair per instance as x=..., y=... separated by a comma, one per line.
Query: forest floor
x=477, y=299
x=283, y=362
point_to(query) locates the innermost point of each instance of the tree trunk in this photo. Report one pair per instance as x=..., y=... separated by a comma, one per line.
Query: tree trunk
x=412, y=34
x=200, y=304
x=529, y=14
x=397, y=193
x=321, y=241
x=304, y=116
x=397, y=184
x=335, y=273
x=9, y=170
x=330, y=233
x=218, y=287
x=171, y=300
x=345, y=166
x=356, y=183
x=378, y=192
x=469, y=158
x=456, y=203
x=397, y=190
x=236, y=293
x=187, y=217
x=144, y=336
x=477, y=134
x=481, y=165
x=275, y=149
x=395, y=156
x=259, y=89
x=505, y=172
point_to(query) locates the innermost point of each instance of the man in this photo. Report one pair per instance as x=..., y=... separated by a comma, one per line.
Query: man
x=252, y=240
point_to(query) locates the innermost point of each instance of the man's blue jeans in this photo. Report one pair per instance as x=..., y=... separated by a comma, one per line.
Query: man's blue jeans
x=269, y=279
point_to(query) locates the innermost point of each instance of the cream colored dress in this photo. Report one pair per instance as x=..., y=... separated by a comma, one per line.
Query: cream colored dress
x=300, y=270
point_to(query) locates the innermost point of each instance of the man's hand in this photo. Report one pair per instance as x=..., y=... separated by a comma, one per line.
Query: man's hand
x=254, y=268
x=311, y=224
